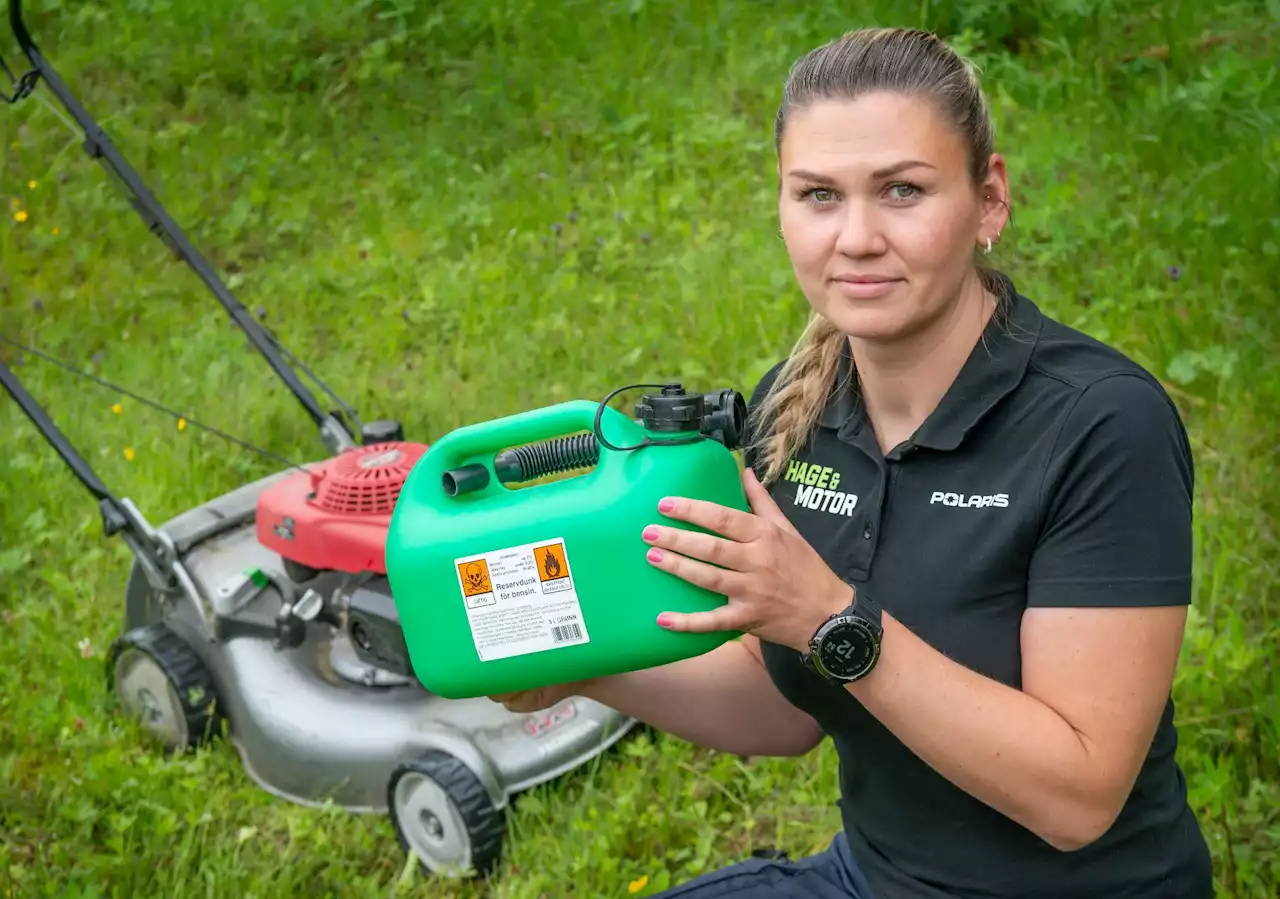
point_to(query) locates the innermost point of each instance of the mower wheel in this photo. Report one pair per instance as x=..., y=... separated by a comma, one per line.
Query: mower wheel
x=164, y=685
x=440, y=811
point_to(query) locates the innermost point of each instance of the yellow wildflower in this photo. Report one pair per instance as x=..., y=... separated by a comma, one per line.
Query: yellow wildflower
x=54, y=232
x=20, y=215
x=117, y=408
x=128, y=454
x=638, y=884
x=31, y=185
x=182, y=424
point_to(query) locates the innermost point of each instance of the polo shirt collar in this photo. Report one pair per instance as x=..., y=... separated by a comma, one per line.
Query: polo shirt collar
x=843, y=402
x=994, y=369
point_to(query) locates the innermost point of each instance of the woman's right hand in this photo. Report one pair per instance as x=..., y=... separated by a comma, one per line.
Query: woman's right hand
x=540, y=697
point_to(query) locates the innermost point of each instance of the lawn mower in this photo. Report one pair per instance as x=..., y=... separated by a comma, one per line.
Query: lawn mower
x=265, y=614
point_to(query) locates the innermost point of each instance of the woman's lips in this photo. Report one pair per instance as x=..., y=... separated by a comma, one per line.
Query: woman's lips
x=865, y=287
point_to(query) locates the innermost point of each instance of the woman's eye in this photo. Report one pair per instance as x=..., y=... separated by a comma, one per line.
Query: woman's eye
x=902, y=191
x=820, y=194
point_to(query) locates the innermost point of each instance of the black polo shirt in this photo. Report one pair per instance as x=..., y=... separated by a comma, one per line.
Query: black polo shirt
x=1055, y=472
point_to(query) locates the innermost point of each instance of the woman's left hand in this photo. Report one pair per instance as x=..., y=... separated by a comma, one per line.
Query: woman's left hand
x=778, y=587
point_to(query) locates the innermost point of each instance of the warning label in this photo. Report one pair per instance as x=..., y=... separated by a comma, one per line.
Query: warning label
x=475, y=578
x=521, y=600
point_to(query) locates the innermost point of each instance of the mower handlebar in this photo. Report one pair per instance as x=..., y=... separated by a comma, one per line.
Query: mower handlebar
x=335, y=432
x=19, y=27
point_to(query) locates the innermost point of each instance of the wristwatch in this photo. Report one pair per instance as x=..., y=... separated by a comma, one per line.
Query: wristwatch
x=846, y=647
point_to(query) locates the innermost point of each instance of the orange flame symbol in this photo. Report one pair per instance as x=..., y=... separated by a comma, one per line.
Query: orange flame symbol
x=550, y=564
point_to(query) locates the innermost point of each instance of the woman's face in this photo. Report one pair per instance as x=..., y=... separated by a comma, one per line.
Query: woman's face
x=879, y=213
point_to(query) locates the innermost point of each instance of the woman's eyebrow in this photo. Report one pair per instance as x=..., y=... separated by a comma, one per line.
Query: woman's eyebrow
x=886, y=172
x=899, y=167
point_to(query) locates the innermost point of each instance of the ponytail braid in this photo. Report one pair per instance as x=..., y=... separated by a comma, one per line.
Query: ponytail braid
x=790, y=410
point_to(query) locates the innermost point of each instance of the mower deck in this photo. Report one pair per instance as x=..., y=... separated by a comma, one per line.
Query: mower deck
x=312, y=723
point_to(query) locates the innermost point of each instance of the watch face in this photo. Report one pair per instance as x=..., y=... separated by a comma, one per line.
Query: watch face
x=848, y=649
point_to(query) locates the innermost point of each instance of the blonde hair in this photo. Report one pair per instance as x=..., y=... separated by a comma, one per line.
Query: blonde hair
x=902, y=60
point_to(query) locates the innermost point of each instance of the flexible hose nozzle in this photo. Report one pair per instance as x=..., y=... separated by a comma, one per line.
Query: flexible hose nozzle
x=526, y=463
x=537, y=460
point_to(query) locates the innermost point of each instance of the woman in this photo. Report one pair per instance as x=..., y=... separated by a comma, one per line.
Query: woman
x=968, y=560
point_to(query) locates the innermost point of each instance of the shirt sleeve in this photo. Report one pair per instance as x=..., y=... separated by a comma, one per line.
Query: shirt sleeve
x=1116, y=502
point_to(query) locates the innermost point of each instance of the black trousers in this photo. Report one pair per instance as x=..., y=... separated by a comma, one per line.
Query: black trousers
x=831, y=874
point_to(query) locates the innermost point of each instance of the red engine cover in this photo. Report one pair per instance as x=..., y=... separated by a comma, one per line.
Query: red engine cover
x=336, y=515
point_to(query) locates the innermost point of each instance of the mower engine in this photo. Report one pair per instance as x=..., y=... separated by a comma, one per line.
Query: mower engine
x=334, y=518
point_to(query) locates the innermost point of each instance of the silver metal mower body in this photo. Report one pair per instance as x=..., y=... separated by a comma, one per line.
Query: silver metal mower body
x=313, y=722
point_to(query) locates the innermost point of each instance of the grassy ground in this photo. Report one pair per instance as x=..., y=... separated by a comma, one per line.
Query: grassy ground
x=455, y=211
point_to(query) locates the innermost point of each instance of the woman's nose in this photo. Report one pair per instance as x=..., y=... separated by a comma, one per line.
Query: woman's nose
x=861, y=232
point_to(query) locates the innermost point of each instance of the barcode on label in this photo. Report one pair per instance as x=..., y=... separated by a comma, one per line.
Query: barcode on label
x=564, y=632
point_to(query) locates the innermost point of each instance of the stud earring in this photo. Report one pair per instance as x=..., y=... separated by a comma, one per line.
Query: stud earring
x=988, y=246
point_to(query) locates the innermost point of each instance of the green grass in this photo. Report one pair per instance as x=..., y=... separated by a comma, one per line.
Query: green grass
x=455, y=211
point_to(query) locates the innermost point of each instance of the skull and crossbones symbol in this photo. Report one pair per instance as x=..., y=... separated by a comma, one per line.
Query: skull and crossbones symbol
x=476, y=578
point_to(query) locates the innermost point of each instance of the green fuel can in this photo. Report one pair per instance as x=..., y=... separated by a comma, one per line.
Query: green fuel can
x=501, y=587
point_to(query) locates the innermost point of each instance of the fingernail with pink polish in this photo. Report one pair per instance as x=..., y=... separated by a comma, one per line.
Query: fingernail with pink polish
x=650, y=533
x=666, y=505
x=664, y=620
x=655, y=555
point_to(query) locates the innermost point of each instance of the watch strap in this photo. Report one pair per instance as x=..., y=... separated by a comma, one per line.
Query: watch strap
x=866, y=608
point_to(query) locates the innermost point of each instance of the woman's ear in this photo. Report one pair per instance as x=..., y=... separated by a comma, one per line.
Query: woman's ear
x=996, y=208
